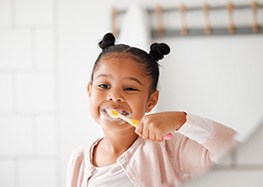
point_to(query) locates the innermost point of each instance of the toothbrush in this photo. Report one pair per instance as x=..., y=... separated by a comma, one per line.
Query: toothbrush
x=115, y=114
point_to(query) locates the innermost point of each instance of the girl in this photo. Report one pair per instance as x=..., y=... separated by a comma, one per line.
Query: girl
x=125, y=78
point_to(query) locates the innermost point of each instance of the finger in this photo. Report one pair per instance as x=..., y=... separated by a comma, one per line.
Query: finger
x=159, y=137
x=139, y=129
x=145, y=132
x=152, y=135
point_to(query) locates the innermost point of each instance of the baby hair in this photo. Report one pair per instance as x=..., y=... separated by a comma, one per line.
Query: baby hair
x=148, y=60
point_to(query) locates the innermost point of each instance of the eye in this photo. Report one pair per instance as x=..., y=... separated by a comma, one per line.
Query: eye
x=104, y=86
x=129, y=89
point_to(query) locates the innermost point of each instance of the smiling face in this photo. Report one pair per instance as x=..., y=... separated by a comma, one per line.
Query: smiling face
x=119, y=82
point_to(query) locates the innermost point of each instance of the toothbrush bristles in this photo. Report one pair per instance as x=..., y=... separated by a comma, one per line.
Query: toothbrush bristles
x=113, y=113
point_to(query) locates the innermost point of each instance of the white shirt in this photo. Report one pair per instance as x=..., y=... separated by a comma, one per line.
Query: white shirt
x=112, y=175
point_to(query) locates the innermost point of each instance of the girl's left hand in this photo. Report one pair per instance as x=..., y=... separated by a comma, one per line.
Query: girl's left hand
x=156, y=126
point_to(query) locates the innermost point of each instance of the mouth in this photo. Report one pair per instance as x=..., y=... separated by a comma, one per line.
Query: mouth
x=121, y=111
x=115, y=120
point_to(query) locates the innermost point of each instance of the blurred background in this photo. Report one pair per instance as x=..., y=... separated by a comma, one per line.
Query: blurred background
x=47, y=50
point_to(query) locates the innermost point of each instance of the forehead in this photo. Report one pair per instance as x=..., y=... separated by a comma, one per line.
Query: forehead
x=121, y=63
x=124, y=57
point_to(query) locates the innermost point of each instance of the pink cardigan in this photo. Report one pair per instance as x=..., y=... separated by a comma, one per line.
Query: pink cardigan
x=168, y=163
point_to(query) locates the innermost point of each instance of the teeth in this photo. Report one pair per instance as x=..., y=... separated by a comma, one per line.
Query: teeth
x=125, y=113
x=122, y=112
x=104, y=111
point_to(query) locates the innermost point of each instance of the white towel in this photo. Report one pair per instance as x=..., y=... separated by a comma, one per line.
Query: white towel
x=135, y=30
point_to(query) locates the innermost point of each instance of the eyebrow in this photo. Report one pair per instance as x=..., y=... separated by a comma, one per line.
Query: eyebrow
x=134, y=79
x=126, y=78
x=102, y=75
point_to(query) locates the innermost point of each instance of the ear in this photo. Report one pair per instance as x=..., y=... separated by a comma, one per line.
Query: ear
x=89, y=88
x=152, y=101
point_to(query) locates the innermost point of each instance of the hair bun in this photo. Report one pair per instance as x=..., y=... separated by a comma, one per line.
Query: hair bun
x=158, y=50
x=107, y=40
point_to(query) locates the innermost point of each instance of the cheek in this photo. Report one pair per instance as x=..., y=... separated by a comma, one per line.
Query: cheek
x=139, y=107
x=94, y=101
x=92, y=107
x=95, y=95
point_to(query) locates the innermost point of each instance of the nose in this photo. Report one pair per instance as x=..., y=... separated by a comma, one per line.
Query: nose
x=115, y=96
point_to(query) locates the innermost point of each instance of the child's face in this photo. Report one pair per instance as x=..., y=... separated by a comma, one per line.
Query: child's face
x=120, y=83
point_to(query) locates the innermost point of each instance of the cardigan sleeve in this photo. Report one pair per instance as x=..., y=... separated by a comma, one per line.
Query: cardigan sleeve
x=74, y=168
x=217, y=138
x=197, y=128
x=203, y=143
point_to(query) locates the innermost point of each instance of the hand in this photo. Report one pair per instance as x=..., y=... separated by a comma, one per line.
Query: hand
x=155, y=126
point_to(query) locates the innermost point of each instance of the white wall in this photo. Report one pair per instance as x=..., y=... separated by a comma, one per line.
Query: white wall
x=46, y=51
x=28, y=94
x=217, y=77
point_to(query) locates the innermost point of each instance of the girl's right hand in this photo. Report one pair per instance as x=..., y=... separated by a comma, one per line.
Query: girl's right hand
x=156, y=126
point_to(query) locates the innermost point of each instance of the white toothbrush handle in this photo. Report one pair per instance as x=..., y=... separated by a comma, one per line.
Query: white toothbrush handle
x=131, y=121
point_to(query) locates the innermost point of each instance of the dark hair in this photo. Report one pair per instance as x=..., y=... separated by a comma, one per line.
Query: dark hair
x=148, y=60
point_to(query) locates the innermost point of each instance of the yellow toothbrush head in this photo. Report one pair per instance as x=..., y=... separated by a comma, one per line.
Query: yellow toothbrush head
x=113, y=113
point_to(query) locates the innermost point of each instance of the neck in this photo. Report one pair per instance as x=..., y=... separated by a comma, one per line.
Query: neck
x=119, y=143
x=112, y=146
